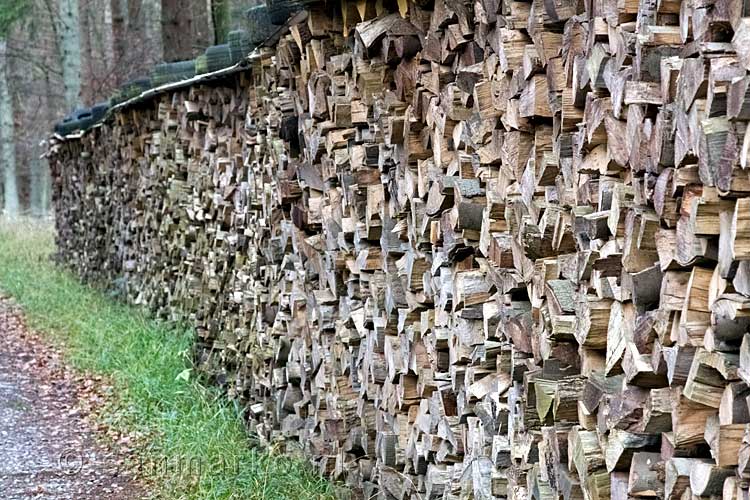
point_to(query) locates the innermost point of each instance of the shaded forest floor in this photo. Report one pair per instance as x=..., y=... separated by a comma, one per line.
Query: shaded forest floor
x=183, y=439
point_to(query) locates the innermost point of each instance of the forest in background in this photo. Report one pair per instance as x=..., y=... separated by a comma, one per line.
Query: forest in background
x=57, y=55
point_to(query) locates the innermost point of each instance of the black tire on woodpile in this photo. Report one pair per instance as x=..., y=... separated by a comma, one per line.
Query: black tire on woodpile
x=79, y=119
x=258, y=24
x=88, y=117
x=99, y=111
x=130, y=89
x=240, y=45
x=164, y=73
x=82, y=119
x=279, y=11
x=67, y=125
x=218, y=57
x=201, y=64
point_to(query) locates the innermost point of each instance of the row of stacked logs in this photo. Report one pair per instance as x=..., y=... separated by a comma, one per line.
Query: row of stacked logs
x=456, y=249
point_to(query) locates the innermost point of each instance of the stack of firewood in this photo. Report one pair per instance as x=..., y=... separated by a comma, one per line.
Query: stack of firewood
x=458, y=249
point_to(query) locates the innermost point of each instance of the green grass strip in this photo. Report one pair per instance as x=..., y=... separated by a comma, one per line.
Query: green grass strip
x=156, y=394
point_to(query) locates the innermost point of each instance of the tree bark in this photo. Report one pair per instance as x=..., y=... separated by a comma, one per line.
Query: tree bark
x=120, y=20
x=179, y=29
x=210, y=26
x=7, y=144
x=152, y=29
x=108, y=35
x=187, y=28
x=39, y=184
x=70, y=48
x=221, y=19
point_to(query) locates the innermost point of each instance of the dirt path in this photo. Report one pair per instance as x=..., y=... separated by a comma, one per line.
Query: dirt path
x=48, y=448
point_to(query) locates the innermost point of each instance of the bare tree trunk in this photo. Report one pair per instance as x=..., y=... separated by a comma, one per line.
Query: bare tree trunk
x=35, y=185
x=86, y=20
x=187, y=28
x=120, y=20
x=152, y=25
x=108, y=42
x=70, y=48
x=44, y=183
x=210, y=28
x=45, y=188
x=175, y=29
x=7, y=140
x=45, y=178
x=221, y=19
x=39, y=181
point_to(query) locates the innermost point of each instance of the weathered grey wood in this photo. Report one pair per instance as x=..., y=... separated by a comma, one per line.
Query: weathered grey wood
x=454, y=249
